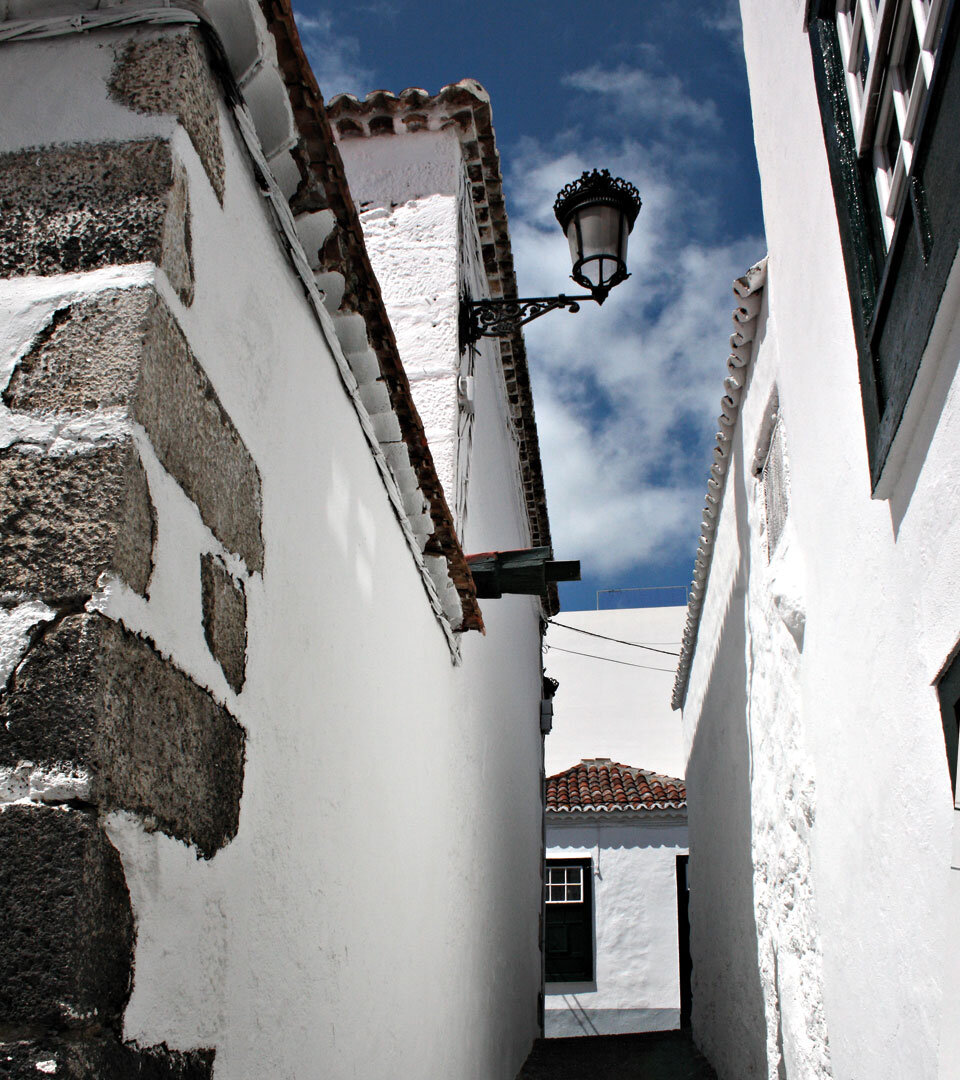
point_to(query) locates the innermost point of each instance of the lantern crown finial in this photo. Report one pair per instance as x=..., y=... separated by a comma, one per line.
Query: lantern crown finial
x=597, y=186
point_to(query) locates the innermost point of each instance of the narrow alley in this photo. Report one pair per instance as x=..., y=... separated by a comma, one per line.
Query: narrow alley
x=660, y=1055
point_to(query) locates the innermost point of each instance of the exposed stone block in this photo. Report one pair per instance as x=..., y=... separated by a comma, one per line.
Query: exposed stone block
x=50, y=707
x=165, y=748
x=66, y=950
x=124, y=348
x=87, y=357
x=100, y=1058
x=171, y=74
x=92, y=694
x=66, y=519
x=73, y=208
x=224, y=619
x=196, y=440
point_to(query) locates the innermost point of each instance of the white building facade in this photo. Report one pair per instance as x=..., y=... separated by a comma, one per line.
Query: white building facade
x=615, y=882
x=816, y=679
x=243, y=708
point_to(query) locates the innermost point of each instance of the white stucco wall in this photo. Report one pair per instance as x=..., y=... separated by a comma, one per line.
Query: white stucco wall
x=820, y=811
x=409, y=189
x=376, y=914
x=636, y=959
x=614, y=710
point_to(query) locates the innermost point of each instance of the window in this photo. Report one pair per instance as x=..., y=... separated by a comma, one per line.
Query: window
x=888, y=60
x=568, y=925
x=564, y=885
x=949, y=691
x=890, y=103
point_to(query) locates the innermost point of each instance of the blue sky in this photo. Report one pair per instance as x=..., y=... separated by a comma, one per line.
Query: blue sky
x=627, y=396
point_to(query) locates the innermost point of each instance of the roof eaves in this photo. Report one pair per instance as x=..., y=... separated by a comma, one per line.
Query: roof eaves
x=749, y=290
x=323, y=187
x=465, y=107
x=622, y=809
x=280, y=115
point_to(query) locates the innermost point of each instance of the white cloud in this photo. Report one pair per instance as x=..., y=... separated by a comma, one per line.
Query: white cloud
x=335, y=58
x=724, y=17
x=645, y=95
x=626, y=395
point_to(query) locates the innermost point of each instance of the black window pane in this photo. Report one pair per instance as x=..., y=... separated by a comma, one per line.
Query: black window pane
x=948, y=691
x=911, y=54
x=891, y=144
x=862, y=53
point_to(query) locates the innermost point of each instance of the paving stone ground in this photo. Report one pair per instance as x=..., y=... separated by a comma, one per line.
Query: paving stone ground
x=662, y=1055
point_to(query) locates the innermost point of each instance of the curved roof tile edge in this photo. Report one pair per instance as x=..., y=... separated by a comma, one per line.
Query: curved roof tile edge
x=643, y=808
x=749, y=289
x=324, y=186
x=465, y=105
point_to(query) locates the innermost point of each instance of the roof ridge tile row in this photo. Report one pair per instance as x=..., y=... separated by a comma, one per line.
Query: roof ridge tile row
x=599, y=784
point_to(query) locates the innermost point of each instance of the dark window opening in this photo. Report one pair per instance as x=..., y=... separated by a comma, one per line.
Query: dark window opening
x=683, y=938
x=949, y=691
x=568, y=922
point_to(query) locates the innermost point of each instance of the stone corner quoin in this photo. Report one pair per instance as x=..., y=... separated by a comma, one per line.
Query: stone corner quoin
x=87, y=700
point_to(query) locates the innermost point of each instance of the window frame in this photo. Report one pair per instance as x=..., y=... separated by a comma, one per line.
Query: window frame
x=898, y=241
x=571, y=888
x=565, y=913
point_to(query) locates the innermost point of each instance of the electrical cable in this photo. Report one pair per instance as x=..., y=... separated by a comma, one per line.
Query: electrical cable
x=619, y=641
x=609, y=659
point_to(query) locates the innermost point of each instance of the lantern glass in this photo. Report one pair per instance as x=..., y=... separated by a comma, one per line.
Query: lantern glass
x=597, y=235
x=597, y=212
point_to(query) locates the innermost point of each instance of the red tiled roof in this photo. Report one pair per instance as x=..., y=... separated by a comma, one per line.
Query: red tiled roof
x=602, y=784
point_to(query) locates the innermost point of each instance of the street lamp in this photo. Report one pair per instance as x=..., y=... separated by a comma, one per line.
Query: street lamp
x=596, y=212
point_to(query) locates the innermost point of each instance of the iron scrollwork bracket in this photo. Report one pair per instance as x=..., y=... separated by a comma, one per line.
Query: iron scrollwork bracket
x=501, y=318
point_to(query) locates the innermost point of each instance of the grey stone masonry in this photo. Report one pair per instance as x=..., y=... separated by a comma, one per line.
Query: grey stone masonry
x=124, y=348
x=87, y=357
x=66, y=947
x=100, y=1058
x=171, y=74
x=74, y=208
x=224, y=619
x=66, y=519
x=93, y=695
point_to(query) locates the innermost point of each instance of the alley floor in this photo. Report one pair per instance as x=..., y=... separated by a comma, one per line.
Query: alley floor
x=662, y=1055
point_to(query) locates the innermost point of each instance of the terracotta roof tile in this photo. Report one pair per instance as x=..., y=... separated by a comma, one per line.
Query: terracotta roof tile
x=602, y=784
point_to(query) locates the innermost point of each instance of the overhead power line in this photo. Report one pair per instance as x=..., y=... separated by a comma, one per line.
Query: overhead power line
x=609, y=659
x=619, y=641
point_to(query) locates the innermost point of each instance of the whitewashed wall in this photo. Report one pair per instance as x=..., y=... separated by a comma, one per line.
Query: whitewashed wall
x=636, y=959
x=820, y=811
x=376, y=914
x=409, y=190
x=609, y=709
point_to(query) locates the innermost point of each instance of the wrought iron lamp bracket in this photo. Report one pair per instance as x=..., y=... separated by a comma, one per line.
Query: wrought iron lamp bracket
x=501, y=318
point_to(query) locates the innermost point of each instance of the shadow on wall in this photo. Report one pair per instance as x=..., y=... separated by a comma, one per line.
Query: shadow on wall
x=728, y=1016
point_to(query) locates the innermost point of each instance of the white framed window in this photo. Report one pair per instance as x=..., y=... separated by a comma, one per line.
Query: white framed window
x=888, y=50
x=564, y=885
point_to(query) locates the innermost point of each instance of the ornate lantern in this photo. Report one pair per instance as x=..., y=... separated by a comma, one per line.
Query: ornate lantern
x=597, y=212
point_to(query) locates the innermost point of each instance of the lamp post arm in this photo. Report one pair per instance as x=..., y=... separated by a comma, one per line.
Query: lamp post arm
x=500, y=318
